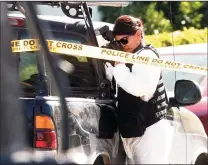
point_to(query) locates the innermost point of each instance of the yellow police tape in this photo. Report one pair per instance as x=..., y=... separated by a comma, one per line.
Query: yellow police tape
x=74, y=49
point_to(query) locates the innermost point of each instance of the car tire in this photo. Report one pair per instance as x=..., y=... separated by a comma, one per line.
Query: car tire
x=99, y=161
x=202, y=159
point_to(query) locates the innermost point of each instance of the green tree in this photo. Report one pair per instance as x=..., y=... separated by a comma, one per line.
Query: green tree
x=155, y=21
x=147, y=11
x=190, y=14
x=204, y=10
x=109, y=14
x=162, y=16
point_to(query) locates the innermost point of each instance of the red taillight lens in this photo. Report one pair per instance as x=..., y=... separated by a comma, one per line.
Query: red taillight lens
x=16, y=22
x=45, y=135
x=45, y=140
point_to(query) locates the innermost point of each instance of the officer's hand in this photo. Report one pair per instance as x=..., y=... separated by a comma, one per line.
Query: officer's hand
x=109, y=71
x=116, y=63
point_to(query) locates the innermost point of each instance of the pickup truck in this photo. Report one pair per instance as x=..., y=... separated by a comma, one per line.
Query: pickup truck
x=92, y=137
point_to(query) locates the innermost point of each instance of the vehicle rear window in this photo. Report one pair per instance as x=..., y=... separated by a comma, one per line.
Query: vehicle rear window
x=83, y=75
x=27, y=62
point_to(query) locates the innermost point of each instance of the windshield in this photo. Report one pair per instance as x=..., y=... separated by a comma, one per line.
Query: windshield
x=82, y=73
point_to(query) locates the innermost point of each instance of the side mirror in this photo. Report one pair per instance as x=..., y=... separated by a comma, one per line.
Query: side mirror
x=186, y=93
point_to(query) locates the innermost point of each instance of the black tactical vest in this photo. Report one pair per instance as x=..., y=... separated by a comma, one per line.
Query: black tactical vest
x=134, y=114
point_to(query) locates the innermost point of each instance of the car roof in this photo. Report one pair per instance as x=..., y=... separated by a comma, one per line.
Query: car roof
x=189, y=49
x=69, y=24
x=65, y=20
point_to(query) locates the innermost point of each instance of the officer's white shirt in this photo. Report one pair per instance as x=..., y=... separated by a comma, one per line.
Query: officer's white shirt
x=143, y=79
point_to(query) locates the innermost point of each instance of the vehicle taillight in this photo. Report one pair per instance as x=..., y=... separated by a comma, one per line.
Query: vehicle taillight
x=45, y=139
x=16, y=22
x=44, y=122
x=45, y=135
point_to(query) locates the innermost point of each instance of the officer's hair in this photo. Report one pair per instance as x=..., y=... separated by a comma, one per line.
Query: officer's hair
x=137, y=23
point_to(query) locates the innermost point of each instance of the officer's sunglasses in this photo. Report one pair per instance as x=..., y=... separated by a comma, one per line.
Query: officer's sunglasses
x=124, y=40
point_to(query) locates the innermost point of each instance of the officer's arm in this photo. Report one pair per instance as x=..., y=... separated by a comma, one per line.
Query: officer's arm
x=143, y=79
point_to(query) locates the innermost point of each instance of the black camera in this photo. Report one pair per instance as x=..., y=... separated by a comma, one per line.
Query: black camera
x=108, y=35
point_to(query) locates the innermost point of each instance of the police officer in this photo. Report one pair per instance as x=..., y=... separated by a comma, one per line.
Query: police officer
x=142, y=99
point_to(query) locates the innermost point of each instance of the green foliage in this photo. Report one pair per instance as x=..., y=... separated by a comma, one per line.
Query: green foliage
x=27, y=71
x=187, y=36
x=190, y=15
x=146, y=11
x=155, y=20
x=162, y=16
x=109, y=14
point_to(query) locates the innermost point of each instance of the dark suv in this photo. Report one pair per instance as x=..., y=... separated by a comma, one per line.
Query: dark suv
x=93, y=136
x=87, y=95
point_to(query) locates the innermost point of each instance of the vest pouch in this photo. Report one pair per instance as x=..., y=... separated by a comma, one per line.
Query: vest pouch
x=131, y=125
